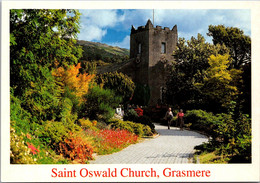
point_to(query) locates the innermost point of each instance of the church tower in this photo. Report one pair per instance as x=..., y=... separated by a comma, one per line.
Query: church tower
x=151, y=50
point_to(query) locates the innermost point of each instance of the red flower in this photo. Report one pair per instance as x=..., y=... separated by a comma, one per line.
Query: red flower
x=139, y=111
x=33, y=149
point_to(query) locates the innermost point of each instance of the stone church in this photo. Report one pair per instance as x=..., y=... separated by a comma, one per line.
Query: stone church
x=151, y=52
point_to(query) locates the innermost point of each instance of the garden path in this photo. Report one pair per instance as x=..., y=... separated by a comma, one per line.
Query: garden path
x=170, y=147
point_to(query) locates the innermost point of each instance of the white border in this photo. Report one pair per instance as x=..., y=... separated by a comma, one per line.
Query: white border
x=219, y=172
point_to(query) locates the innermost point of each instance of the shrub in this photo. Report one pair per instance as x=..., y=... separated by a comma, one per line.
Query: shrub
x=20, y=117
x=74, y=147
x=243, y=148
x=201, y=120
x=100, y=104
x=56, y=132
x=123, y=125
x=131, y=115
x=230, y=137
x=120, y=83
x=145, y=120
x=19, y=152
x=87, y=124
x=137, y=128
x=67, y=117
x=148, y=131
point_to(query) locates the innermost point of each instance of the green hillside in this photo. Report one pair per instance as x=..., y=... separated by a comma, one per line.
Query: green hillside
x=93, y=51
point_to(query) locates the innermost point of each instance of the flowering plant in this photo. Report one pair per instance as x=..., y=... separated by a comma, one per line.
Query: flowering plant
x=108, y=141
x=139, y=111
x=33, y=149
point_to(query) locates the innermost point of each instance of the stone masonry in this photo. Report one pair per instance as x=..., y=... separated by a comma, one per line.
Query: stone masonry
x=151, y=52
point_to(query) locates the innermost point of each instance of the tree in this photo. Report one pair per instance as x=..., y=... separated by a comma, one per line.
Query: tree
x=73, y=79
x=234, y=38
x=41, y=40
x=191, y=61
x=120, y=83
x=239, y=45
x=219, y=83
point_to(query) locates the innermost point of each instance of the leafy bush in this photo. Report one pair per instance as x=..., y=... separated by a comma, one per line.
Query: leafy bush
x=87, y=124
x=201, y=120
x=100, y=104
x=20, y=117
x=131, y=115
x=120, y=83
x=123, y=125
x=19, y=152
x=74, y=147
x=145, y=120
x=243, y=149
x=137, y=128
x=56, y=132
x=67, y=117
x=231, y=137
x=148, y=131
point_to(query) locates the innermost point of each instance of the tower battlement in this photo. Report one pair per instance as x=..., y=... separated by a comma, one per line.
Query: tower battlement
x=149, y=26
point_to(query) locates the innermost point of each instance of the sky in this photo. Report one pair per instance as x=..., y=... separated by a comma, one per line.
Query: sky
x=113, y=26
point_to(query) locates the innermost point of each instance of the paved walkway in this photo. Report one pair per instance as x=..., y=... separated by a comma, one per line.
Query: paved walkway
x=171, y=147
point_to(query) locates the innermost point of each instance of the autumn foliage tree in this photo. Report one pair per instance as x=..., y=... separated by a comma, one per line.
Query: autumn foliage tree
x=73, y=80
x=191, y=61
x=239, y=45
x=219, y=83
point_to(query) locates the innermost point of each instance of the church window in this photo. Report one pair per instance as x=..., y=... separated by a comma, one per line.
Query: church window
x=162, y=93
x=139, y=48
x=163, y=48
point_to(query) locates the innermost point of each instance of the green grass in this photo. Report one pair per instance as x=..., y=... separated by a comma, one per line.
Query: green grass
x=210, y=158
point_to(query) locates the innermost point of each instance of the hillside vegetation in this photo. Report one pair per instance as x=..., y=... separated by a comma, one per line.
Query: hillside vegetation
x=93, y=51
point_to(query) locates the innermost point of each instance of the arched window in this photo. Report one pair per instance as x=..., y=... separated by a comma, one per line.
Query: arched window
x=163, y=48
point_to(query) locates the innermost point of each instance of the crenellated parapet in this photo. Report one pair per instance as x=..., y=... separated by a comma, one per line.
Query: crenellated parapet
x=150, y=26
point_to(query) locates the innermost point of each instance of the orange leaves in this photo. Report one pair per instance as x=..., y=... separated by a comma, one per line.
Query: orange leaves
x=74, y=147
x=73, y=79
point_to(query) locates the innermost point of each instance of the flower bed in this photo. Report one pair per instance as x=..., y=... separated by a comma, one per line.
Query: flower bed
x=109, y=141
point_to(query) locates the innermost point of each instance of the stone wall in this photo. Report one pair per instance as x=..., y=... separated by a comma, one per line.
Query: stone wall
x=150, y=66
